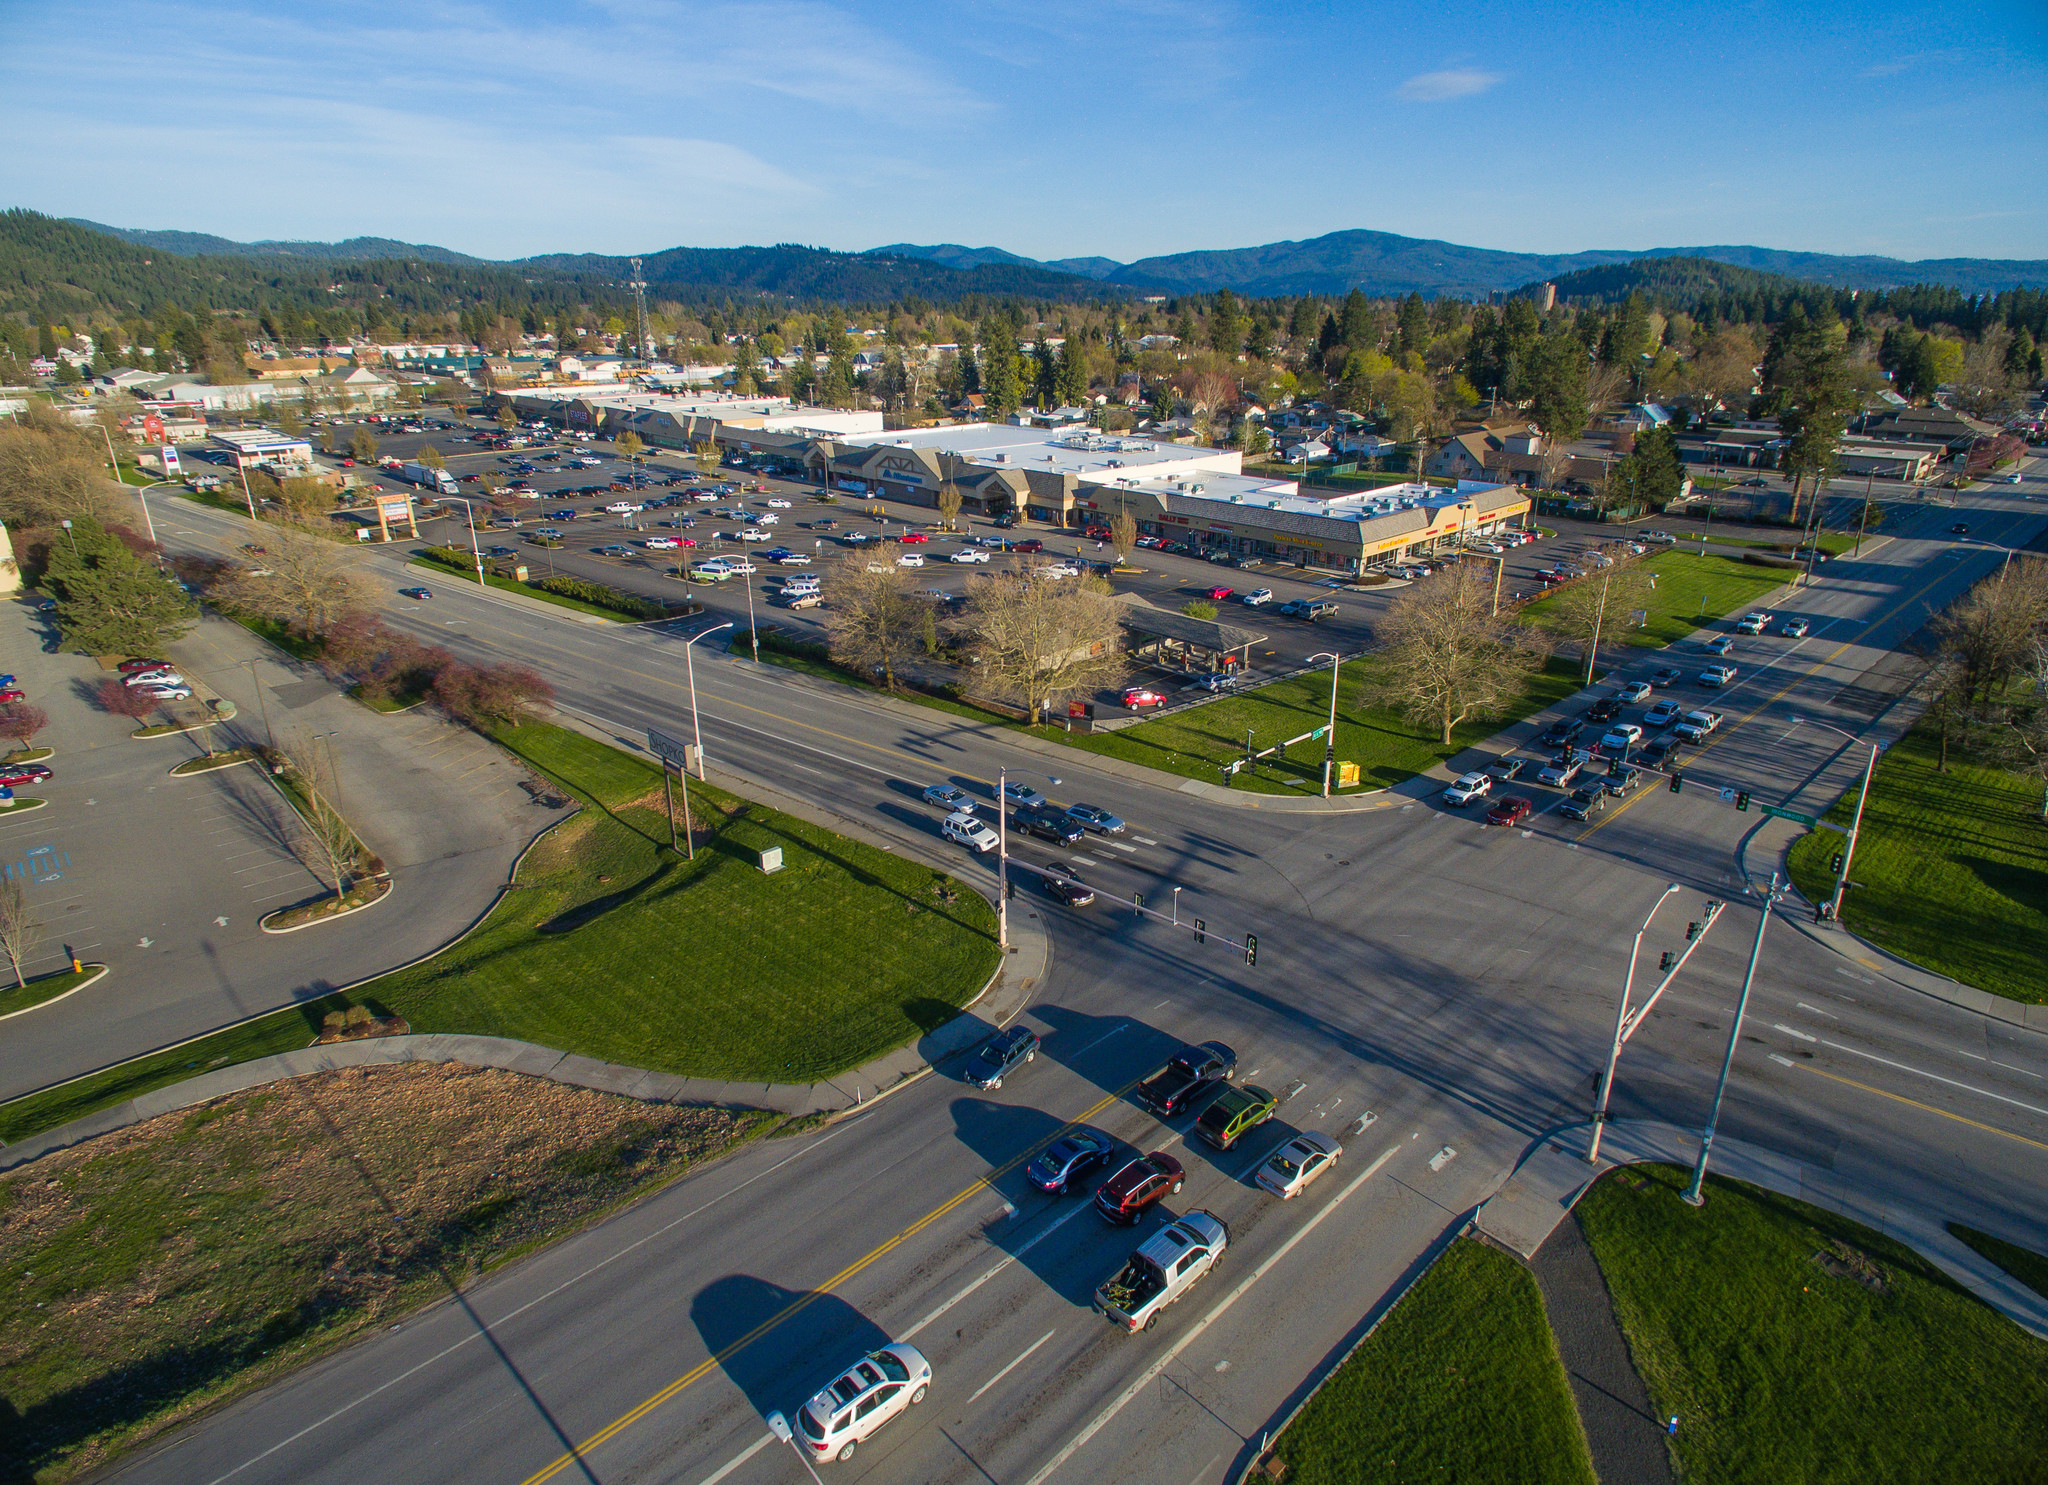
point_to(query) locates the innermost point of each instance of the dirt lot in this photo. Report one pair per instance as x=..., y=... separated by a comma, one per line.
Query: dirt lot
x=162, y=1268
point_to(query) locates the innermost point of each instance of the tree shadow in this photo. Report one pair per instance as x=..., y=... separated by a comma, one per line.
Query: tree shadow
x=570, y=919
x=2026, y=886
x=779, y=1346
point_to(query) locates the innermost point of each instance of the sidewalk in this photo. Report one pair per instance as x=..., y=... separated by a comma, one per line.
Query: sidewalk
x=1006, y=993
x=1553, y=1176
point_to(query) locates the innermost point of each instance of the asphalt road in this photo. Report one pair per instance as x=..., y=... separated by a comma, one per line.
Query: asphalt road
x=1456, y=982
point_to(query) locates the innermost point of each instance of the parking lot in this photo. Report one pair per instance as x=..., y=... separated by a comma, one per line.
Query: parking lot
x=742, y=514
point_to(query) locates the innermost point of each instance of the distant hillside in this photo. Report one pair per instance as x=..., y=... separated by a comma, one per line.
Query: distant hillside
x=815, y=273
x=355, y=249
x=1681, y=281
x=1385, y=264
x=1970, y=275
x=953, y=255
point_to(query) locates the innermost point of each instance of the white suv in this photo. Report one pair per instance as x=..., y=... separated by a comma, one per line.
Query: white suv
x=1468, y=788
x=881, y=1385
x=968, y=831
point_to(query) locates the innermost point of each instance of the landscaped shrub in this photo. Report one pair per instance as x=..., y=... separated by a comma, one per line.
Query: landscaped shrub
x=603, y=597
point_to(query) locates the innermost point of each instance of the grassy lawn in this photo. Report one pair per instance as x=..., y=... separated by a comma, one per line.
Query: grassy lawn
x=616, y=948
x=164, y=1268
x=1834, y=543
x=1386, y=747
x=1460, y=1383
x=1794, y=1344
x=296, y=645
x=1691, y=590
x=2029, y=1267
x=1953, y=868
x=45, y=988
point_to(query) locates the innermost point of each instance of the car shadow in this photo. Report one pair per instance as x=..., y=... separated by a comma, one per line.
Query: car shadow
x=1115, y=1053
x=779, y=1346
x=947, y=1048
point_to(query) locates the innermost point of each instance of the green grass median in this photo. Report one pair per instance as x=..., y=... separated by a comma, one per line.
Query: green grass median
x=1795, y=1344
x=611, y=946
x=1951, y=869
x=1461, y=1382
x=1387, y=748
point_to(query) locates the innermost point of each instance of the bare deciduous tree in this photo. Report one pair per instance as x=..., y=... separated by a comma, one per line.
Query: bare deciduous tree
x=1040, y=639
x=1598, y=606
x=1123, y=535
x=20, y=929
x=949, y=506
x=20, y=722
x=326, y=844
x=1445, y=658
x=872, y=617
x=306, y=580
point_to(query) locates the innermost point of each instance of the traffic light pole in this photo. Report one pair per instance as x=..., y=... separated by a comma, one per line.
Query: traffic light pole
x=1693, y=1195
x=1849, y=854
x=1626, y=1021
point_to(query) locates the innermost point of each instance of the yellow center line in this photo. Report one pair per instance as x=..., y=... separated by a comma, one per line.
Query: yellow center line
x=697, y=1372
x=1772, y=700
x=1924, y=1107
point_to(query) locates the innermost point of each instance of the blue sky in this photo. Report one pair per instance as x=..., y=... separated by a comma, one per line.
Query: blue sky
x=1053, y=128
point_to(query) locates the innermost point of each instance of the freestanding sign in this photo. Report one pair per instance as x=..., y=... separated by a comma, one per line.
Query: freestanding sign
x=170, y=461
x=678, y=755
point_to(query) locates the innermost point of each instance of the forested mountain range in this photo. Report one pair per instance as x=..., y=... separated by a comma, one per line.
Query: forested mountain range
x=1384, y=263
x=354, y=249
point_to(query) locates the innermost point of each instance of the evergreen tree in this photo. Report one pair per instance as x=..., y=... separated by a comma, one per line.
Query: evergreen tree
x=1413, y=324
x=1301, y=320
x=970, y=371
x=1045, y=375
x=46, y=341
x=1355, y=326
x=111, y=602
x=1073, y=376
x=1226, y=323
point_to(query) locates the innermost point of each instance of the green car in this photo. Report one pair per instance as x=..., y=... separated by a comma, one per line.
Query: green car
x=1243, y=1107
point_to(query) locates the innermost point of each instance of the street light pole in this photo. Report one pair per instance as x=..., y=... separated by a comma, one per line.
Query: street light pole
x=1621, y=1028
x=476, y=552
x=1693, y=1196
x=690, y=669
x=1855, y=825
x=1330, y=737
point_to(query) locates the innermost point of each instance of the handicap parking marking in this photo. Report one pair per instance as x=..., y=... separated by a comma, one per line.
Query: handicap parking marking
x=41, y=865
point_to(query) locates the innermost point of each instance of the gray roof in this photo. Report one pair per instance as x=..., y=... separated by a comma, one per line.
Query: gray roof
x=1211, y=634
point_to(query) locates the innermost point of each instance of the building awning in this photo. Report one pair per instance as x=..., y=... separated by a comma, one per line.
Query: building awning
x=1210, y=635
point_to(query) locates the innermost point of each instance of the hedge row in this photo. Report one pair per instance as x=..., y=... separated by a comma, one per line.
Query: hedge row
x=598, y=594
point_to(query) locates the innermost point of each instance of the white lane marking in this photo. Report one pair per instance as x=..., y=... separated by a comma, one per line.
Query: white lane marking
x=1973, y=1056
x=1172, y=1352
x=741, y=1458
x=1119, y=845
x=514, y=1314
x=1144, y=840
x=1782, y=1061
x=1793, y=1031
x=1005, y=1371
x=1022, y=1249
x=1107, y=1035
x=1817, y=1010
x=1936, y=1077
x=2010, y=1068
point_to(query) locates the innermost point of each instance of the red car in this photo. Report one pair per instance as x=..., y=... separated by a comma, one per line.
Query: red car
x=912, y=538
x=1221, y=592
x=1139, y=696
x=1030, y=544
x=1123, y=1198
x=1097, y=533
x=1512, y=810
x=129, y=667
x=13, y=693
x=23, y=773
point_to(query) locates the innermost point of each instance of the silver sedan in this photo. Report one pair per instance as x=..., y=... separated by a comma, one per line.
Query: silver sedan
x=1288, y=1170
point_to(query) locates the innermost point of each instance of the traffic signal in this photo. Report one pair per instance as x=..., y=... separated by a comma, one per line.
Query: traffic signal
x=1742, y=800
x=1201, y=931
x=1664, y=965
x=1677, y=782
x=1692, y=930
x=1009, y=886
x=1251, y=949
x=1835, y=866
x=1138, y=901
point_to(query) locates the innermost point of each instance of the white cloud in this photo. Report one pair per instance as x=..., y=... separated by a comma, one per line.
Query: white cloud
x=1456, y=82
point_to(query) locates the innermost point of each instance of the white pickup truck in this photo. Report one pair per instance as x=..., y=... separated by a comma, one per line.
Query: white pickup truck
x=1696, y=725
x=1165, y=1268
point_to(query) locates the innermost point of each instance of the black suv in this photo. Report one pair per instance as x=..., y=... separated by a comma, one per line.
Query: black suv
x=1563, y=732
x=1192, y=1073
x=1049, y=824
x=1606, y=709
x=1005, y=1052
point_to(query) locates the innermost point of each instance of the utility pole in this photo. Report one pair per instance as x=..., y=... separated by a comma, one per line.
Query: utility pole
x=639, y=288
x=1599, y=617
x=1693, y=1195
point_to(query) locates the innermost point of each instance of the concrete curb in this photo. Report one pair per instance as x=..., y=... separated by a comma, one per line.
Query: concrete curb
x=361, y=907
x=29, y=1010
x=1552, y=1176
x=200, y=773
